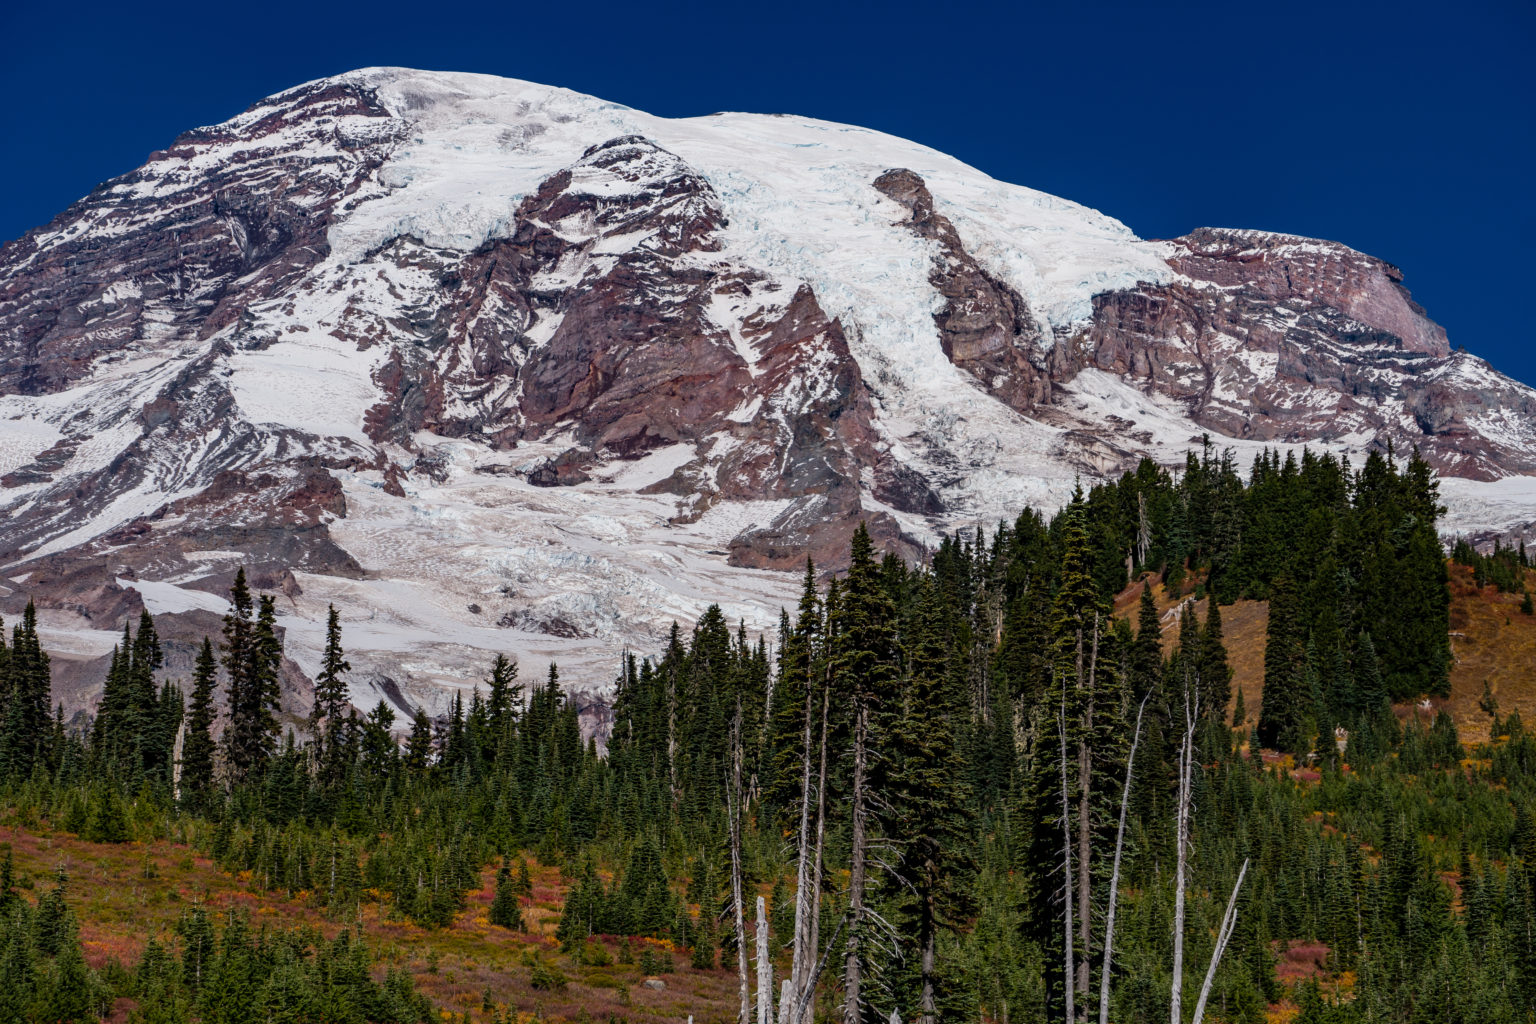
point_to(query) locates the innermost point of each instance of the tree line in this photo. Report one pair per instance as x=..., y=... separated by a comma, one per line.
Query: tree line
x=962, y=790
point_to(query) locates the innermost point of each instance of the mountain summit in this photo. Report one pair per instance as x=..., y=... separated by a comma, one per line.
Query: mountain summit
x=497, y=366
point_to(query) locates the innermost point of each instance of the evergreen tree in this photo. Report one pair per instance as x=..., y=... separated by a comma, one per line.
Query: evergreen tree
x=505, y=911
x=252, y=658
x=1215, y=672
x=239, y=663
x=418, y=750
x=865, y=660
x=795, y=698
x=930, y=802
x=1283, y=714
x=1082, y=709
x=378, y=750
x=330, y=696
x=1144, y=660
x=25, y=734
x=197, y=749
x=109, y=821
x=112, y=713
x=505, y=699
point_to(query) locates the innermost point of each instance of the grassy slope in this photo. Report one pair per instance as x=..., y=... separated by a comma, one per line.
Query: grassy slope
x=1490, y=640
x=125, y=894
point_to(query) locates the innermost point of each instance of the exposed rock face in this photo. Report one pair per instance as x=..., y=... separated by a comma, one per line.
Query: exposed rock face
x=182, y=247
x=985, y=327
x=414, y=343
x=1287, y=339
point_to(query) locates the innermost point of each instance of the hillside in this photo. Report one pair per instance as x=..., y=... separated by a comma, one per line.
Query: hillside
x=127, y=894
x=1491, y=640
x=895, y=782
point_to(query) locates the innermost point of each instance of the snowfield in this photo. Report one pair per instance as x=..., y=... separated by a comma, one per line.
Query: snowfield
x=474, y=560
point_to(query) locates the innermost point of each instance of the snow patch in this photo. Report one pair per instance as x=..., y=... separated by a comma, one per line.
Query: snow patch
x=168, y=599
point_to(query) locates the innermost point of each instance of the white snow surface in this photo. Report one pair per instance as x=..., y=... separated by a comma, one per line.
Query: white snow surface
x=168, y=598
x=600, y=558
x=600, y=561
x=796, y=190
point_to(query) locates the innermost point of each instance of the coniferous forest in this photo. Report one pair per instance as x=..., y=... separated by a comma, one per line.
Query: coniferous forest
x=965, y=790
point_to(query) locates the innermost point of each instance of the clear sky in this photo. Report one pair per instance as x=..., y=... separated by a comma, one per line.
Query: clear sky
x=1404, y=130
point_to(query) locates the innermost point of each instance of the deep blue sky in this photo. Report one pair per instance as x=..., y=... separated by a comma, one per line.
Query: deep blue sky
x=1403, y=130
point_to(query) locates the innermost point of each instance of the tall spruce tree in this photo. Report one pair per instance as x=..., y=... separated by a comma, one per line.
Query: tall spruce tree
x=930, y=802
x=252, y=659
x=864, y=656
x=418, y=748
x=197, y=748
x=1283, y=713
x=1215, y=671
x=330, y=695
x=26, y=736
x=505, y=910
x=1144, y=660
x=238, y=661
x=794, y=702
x=505, y=698
x=1087, y=691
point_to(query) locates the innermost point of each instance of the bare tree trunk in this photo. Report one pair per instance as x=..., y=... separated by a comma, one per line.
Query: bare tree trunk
x=805, y=968
x=181, y=739
x=1143, y=528
x=853, y=965
x=1066, y=834
x=1228, y=922
x=928, y=1001
x=764, y=966
x=1186, y=797
x=1085, y=822
x=819, y=863
x=799, y=962
x=1114, y=877
x=736, y=899
x=804, y=1002
x=672, y=733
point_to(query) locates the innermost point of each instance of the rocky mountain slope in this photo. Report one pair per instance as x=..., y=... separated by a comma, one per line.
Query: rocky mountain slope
x=495, y=366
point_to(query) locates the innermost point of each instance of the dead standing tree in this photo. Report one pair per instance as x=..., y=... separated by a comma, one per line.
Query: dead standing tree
x=737, y=910
x=1183, y=814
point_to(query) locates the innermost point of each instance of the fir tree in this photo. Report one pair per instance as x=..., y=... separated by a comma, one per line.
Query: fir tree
x=931, y=804
x=25, y=734
x=794, y=700
x=505, y=911
x=239, y=662
x=330, y=695
x=109, y=821
x=1144, y=661
x=864, y=656
x=1283, y=713
x=378, y=750
x=418, y=749
x=1082, y=708
x=505, y=697
x=112, y=713
x=253, y=657
x=1215, y=672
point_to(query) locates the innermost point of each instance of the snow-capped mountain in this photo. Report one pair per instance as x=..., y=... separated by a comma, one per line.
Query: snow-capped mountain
x=495, y=366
